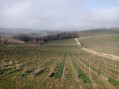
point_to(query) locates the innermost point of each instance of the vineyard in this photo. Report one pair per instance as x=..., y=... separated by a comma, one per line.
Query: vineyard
x=55, y=65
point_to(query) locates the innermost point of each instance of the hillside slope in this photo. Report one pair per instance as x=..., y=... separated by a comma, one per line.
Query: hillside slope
x=106, y=43
x=8, y=32
x=95, y=32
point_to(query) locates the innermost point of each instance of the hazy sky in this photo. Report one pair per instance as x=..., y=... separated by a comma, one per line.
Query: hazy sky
x=59, y=14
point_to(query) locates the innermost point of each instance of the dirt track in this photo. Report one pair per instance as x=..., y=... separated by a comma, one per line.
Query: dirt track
x=116, y=58
x=77, y=42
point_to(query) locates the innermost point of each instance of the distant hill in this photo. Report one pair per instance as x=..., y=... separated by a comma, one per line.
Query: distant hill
x=8, y=32
x=99, y=32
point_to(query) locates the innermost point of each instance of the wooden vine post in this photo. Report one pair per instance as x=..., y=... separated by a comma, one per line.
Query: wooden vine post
x=89, y=70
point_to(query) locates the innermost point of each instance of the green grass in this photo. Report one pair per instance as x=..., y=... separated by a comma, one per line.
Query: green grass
x=81, y=74
x=113, y=81
x=62, y=42
x=6, y=82
x=59, y=71
x=69, y=73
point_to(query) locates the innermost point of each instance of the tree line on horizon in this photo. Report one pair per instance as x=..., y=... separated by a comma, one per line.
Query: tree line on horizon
x=40, y=39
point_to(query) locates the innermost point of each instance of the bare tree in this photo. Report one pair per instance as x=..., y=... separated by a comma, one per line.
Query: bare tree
x=23, y=37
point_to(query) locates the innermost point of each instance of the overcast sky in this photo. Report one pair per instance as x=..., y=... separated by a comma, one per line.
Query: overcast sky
x=59, y=14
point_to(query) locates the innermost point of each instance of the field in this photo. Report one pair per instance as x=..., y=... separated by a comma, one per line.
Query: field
x=106, y=43
x=59, y=64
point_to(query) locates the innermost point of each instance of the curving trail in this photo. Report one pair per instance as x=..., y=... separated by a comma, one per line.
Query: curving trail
x=77, y=42
x=116, y=58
